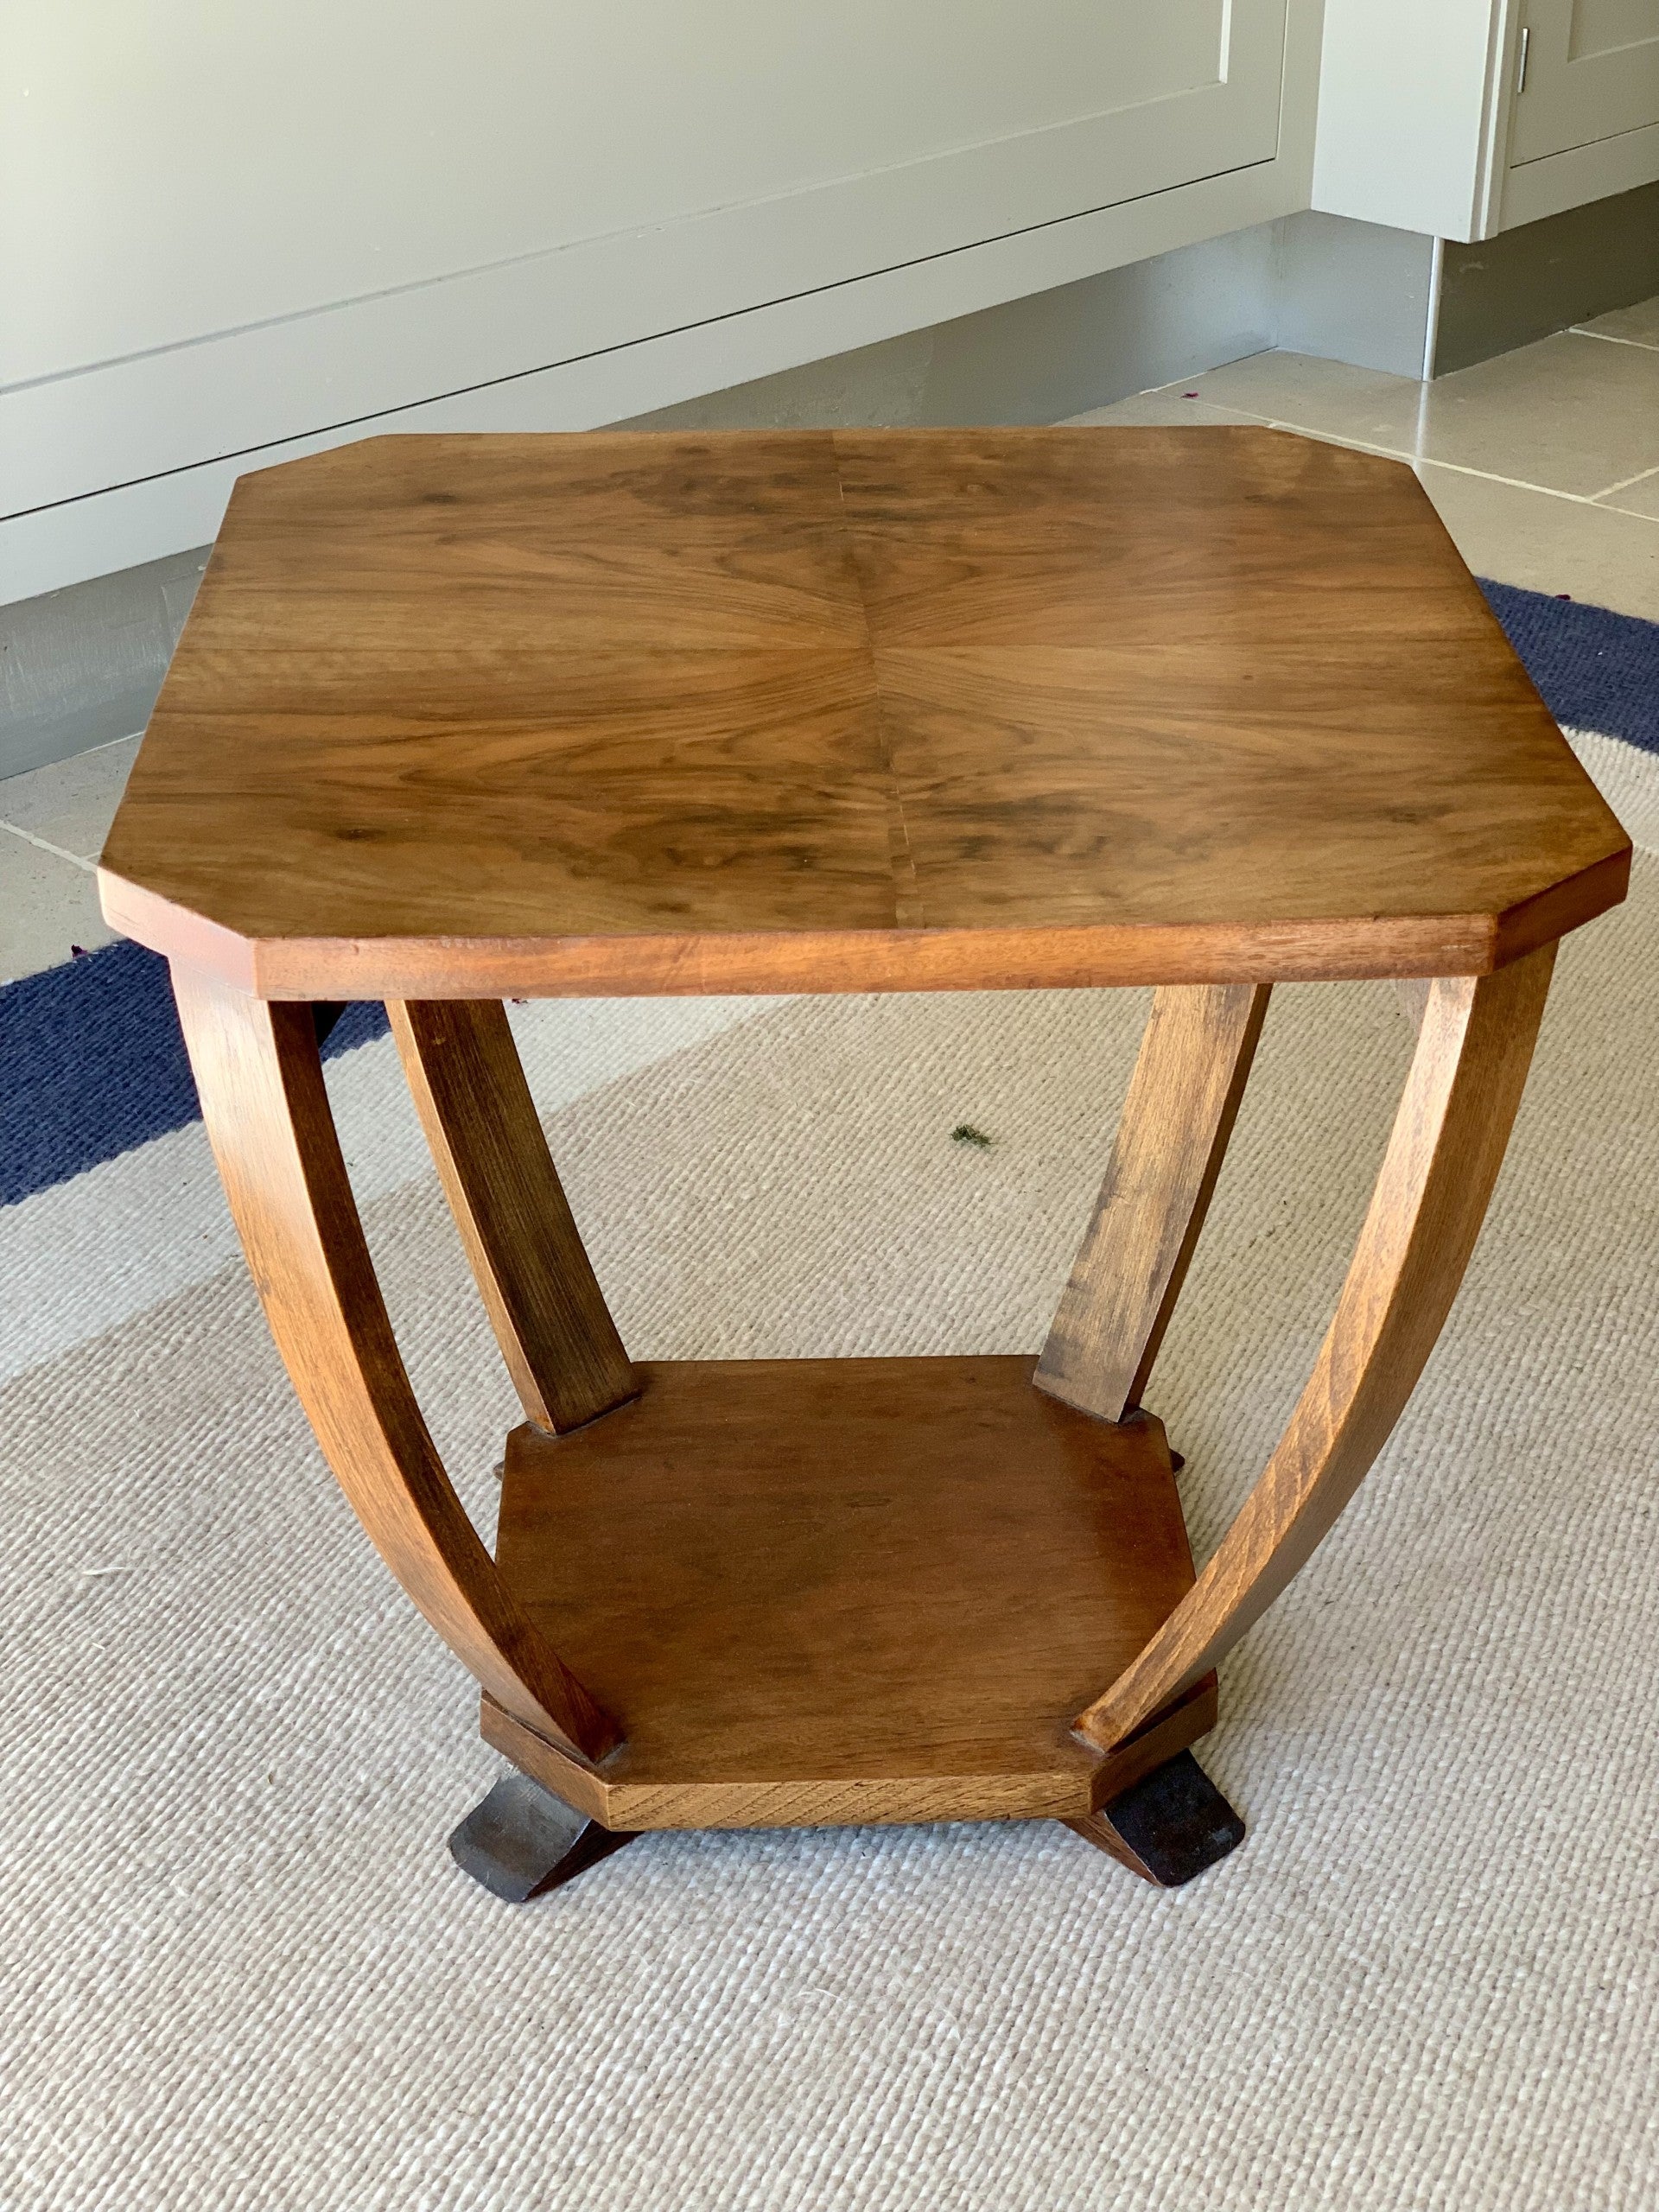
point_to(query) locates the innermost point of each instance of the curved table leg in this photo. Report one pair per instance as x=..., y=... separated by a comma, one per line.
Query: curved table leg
x=1473, y=1050
x=1183, y=1100
x=543, y=1300
x=260, y=1078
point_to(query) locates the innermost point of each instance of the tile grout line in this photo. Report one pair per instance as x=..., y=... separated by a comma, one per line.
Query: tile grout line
x=1278, y=422
x=1354, y=445
x=1611, y=338
x=1625, y=482
x=44, y=768
x=1457, y=467
x=1419, y=459
x=1515, y=483
x=45, y=845
x=103, y=746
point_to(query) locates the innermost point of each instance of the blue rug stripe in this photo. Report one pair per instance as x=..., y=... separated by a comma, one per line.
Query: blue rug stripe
x=92, y=1063
x=91, y=1058
x=1594, y=669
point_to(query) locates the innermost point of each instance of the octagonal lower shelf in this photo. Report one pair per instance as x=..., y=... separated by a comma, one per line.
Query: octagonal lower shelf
x=826, y=1592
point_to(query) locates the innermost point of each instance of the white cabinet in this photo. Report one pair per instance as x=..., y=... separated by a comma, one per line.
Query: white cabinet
x=292, y=158
x=258, y=228
x=1589, y=71
x=1462, y=118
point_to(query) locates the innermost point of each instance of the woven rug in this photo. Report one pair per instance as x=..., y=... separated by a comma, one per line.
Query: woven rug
x=240, y=1969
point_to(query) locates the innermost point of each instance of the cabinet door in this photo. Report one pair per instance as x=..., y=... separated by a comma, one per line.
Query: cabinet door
x=1592, y=71
x=393, y=142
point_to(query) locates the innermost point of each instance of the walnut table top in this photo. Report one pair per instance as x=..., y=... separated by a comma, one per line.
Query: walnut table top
x=461, y=717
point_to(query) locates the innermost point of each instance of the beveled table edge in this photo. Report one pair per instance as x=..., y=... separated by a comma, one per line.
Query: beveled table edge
x=785, y=962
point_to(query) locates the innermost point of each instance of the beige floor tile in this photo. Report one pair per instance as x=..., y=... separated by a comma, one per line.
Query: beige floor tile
x=1639, y=323
x=1336, y=438
x=48, y=906
x=1330, y=398
x=1572, y=413
x=70, y=803
x=1641, y=498
x=1546, y=544
x=1154, y=409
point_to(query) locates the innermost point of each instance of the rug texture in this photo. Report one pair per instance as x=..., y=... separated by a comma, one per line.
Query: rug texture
x=240, y=1969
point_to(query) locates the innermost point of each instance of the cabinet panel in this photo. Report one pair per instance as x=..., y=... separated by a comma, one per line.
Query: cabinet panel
x=197, y=169
x=1592, y=72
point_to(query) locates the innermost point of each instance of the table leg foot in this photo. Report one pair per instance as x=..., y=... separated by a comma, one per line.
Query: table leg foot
x=1167, y=1827
x=521, y=1840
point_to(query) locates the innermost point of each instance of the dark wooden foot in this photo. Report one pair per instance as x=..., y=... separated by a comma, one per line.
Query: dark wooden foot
x=1168, y=1826
x=521, y=1840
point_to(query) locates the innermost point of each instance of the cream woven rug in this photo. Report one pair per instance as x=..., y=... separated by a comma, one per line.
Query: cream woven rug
x=237, y=1967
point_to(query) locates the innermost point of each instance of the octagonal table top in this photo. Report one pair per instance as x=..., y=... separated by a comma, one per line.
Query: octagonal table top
x=845, y=710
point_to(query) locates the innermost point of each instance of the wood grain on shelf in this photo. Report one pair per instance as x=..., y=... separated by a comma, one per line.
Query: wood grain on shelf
x=557, y=1335
x=472, y=717
x=1183, y=1100
x=1470, y=1067
x=260, y=1080
x=827, y=1591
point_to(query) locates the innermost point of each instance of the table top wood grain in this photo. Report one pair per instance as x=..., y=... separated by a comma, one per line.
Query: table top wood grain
x=463, y=716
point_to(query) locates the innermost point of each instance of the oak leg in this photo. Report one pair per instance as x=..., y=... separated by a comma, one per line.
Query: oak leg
x=521, y=1840
x=1473, y=1050
x=544, y=1302
x=1183, y=1100
x=1168, y=1826
x=260, y=1079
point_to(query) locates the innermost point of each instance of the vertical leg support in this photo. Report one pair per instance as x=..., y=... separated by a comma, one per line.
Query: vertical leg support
x=544, y=1302
x=1473, y=1050
x=1183, y=1100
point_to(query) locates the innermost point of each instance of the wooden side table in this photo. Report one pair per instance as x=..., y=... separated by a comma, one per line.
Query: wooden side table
x=456, y=719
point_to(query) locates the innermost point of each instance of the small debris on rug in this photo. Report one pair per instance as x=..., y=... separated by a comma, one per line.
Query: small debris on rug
x=965, y=1133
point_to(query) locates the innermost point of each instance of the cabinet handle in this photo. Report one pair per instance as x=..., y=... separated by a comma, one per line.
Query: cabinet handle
x=1521, y=61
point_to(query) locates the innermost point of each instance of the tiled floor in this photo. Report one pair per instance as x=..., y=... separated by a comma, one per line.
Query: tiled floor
x=1543, y=463
x=52, y=824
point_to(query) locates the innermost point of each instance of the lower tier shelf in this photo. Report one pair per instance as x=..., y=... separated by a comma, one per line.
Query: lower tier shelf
x=829, y=1591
